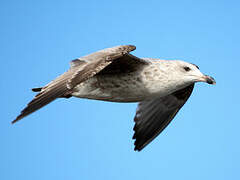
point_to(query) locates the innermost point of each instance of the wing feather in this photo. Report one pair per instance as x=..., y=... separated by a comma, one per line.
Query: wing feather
x=153, y=116
x=81, y=69
x=50, y=92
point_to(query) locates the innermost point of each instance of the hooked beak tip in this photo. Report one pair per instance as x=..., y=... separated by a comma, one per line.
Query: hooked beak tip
x=209, y=80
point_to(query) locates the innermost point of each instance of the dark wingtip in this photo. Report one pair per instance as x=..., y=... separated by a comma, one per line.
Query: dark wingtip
x=137, y=149
x=36, y=89
x=17, y=119
x=14, y=121
x=132, y=47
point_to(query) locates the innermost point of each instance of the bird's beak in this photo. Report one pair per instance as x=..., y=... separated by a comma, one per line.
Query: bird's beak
x=208, y=79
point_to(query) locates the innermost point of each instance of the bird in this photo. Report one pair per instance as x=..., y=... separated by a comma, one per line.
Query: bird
x=161, y=87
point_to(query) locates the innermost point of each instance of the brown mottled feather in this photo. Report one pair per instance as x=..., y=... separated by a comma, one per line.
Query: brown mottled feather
x=81, y=69
x=50, y=92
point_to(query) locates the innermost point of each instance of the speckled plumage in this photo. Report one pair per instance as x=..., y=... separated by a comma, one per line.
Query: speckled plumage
x=147, y=82
x=161, y=86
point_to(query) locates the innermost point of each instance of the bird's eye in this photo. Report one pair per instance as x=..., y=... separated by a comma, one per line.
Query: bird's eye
x=186, y=68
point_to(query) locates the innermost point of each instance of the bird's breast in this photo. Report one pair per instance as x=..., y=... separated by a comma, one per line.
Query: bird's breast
x=120, y=88
x=147, y=83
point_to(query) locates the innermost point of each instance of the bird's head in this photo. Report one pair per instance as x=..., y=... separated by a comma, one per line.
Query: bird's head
x=191, y=73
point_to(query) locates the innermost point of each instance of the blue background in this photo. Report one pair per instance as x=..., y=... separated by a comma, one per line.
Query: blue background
x=87, y=139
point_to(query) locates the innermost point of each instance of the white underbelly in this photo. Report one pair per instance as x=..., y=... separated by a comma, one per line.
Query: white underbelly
x=112, y=88
x=131, y=87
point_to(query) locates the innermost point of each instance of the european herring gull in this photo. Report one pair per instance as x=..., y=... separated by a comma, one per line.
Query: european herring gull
x=160, y=86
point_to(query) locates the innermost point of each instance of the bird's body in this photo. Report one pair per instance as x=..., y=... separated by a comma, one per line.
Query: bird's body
x=160, y=86
x=112, y=88
x=147, y=82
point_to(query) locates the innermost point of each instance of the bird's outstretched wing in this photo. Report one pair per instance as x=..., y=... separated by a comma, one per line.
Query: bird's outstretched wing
x=81, y=69
x=92, y=64
x=153, y=116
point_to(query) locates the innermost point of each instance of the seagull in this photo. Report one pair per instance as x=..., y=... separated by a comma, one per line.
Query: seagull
x=160, y=86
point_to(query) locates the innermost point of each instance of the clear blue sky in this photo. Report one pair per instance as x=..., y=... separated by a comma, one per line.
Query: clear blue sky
x=85, y=139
